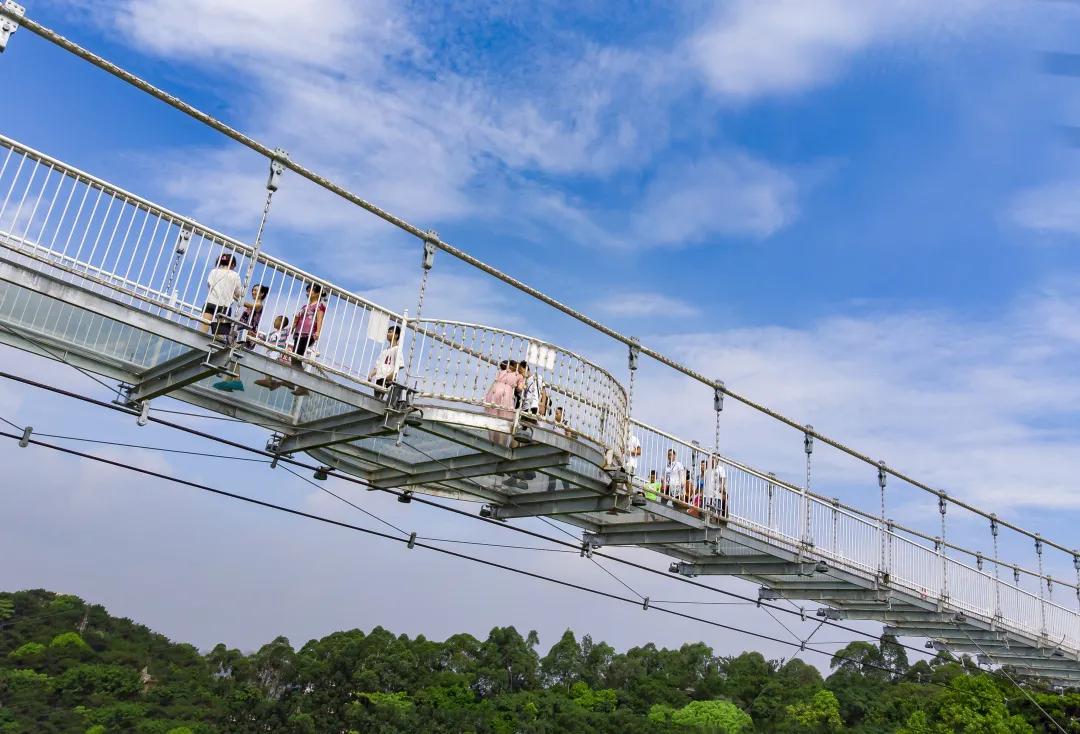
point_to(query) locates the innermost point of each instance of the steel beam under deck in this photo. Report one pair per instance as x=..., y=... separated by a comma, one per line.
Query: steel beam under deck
x=352, y=426
x=746, y=566
x=179, y=372
x=528, y=458
x=531, y=507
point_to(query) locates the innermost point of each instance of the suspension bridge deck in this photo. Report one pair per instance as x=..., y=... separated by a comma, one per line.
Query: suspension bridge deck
x=112, y=283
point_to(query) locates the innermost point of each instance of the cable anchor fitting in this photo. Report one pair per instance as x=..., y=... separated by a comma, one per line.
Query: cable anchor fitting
x=277, y=168
x=942, y=505
x=430, y=247
x=1038, y=544
x=718, y=396
x=808, y=439
x=993, y=525
x=881, y=474
x=635, y=352
x=8, y=26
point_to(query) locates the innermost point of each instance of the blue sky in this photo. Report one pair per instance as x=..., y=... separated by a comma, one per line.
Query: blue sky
x=860, y=213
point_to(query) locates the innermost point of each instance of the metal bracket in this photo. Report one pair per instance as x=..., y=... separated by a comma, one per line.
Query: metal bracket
x=399, y=406
x=144, y=413
x=277, y=168
x=429, y=249
x=8, y=26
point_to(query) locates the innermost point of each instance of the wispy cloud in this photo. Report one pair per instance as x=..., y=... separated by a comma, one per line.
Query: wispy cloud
x=748, y=49
x=1052, y=208
x=638, y=303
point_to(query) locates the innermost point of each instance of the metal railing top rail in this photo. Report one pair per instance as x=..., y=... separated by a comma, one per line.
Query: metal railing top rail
x=172, y=100
x=849, y=509
x=187, y=222
x=524, y=337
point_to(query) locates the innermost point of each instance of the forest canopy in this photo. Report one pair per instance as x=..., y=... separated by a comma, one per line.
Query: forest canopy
x=68, y=666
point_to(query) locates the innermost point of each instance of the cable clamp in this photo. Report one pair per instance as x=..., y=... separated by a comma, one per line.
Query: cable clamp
x=1038, y=544
x=635, y=352
x=645, y=604
x=881, y=474
x=718, y=396
x=144, y=413
x=8, y=26
x=430, y=246
x=586, y=549
x=412, y=541
x=941, y=503
x=277, y=168
x=808, y=439
x=993, y=525
x=25, y=440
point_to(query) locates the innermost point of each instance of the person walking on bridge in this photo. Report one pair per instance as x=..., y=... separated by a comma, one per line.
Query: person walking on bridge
x=307, y=325
x=225, y=289
x=674, y=478
x=499, y=398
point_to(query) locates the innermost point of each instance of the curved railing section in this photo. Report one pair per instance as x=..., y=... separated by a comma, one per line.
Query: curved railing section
x=460, y=363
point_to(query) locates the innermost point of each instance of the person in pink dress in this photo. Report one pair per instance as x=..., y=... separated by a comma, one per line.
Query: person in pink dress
x=499, y=398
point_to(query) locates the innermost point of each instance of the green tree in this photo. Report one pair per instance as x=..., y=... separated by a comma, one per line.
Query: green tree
x=563, y=664
x=970, y=705
x=819, y=715
x=715, y=717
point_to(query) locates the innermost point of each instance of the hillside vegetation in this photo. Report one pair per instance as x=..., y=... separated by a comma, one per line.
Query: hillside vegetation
x=68, y=666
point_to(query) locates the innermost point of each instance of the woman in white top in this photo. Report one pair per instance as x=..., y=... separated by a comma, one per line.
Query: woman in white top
x=716, y=487
x=225, y=289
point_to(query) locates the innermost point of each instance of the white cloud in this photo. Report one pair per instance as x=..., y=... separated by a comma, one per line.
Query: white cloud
x=318, y=32
x=732, y=195
x=985, y=410
x=637, y=304
x=1052, y=208
x=750, y=48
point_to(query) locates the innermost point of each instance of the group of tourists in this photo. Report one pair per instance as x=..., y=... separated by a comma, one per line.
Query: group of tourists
x=290, y=341
x=517, y=389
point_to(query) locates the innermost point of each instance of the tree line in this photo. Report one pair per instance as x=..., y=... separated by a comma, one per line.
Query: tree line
x=68, y=666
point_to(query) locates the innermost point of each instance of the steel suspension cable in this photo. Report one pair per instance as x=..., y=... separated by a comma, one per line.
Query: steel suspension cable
x=173, y=101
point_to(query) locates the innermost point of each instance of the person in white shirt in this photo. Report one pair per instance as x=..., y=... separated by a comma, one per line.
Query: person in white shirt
x=225, y=289
x=387, y=366
x=633, y=452
x=674, y=478
x=533, y=397
x=716, y=487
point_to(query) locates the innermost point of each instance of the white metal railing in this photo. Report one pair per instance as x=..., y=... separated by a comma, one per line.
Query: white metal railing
x=110, y=240
x=460, y=362
x=781, y=513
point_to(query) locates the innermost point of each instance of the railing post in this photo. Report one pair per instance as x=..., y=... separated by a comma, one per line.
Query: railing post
x=1076, y=565
x=835, y=523
x=808, y=447
x=997, y=578
x=942, y=506
x=769, y=512
x=1042, y=597
x=882, y=568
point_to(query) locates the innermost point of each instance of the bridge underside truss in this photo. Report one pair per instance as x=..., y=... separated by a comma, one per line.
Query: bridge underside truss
x=448, y=450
